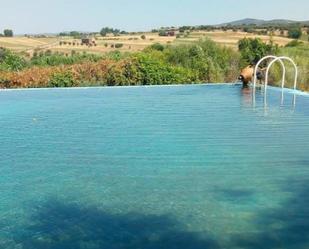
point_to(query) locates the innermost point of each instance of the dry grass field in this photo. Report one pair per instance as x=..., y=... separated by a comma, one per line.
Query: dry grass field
x=230, y=38
x=20, y=44
x=129, y=42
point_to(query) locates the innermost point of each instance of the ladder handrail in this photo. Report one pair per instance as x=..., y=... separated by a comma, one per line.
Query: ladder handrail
x=281, y=58
x=275, y=59
x=265, y=58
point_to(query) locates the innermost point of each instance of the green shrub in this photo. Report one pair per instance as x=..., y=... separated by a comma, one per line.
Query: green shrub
x=49, y=59
x=132, y=72
x=62, y=79
x=210, y=62
x=155, y=71
x=10, y=61
x=157, y=46
x=115, y=76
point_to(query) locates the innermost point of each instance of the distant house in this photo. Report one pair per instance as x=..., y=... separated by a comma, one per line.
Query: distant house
x=169, y=32
x=88, y=41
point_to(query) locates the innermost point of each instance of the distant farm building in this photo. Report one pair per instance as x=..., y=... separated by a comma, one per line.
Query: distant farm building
x=83, y=41
x=169, y=32
x=88, y=41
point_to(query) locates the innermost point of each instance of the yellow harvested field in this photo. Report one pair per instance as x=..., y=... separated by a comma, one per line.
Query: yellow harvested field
x=230, y=38
x=234, y=37
x=20, y=44
x=129, y=42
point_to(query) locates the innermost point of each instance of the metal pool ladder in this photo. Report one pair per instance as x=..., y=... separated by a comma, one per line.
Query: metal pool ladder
x=281, y=59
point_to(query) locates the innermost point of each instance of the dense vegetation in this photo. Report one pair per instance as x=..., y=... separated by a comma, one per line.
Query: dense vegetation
x=300, y=54
x=292, y=30
x=202, y=61
x=55, y=59
x=252, y=50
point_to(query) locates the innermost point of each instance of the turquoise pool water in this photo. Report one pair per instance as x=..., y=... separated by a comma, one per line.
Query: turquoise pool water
x=173, y=167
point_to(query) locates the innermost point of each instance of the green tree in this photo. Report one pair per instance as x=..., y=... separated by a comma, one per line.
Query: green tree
x=143, y=37
x=116, y=32
x=252, y=50
x=75, y=34
x=8, y=33
x=295, y=33
x=63, y=34
x=104, y=31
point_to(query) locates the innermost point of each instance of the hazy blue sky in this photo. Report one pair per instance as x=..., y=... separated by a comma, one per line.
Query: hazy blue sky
x=34, y=16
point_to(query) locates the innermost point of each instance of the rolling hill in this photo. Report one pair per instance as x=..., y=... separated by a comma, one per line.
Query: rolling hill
x=260, y=22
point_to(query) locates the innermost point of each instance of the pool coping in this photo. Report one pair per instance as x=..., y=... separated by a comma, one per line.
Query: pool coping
x=287, y=90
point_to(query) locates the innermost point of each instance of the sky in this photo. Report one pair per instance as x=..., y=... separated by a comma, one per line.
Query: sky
x=52, y=16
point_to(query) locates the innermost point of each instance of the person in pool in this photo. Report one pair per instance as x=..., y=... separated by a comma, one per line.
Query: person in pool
x=247, y=74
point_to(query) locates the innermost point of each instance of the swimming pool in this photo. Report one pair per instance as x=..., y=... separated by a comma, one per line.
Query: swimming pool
x=153, y=167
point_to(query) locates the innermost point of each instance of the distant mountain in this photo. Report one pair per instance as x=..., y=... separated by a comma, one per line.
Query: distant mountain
x=259, y=22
